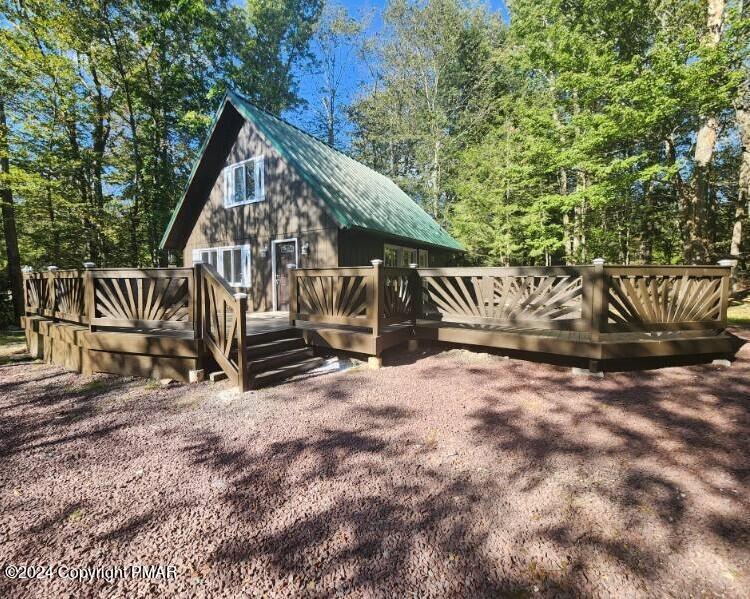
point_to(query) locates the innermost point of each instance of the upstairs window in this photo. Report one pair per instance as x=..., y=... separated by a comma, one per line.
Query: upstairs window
x=243, y=182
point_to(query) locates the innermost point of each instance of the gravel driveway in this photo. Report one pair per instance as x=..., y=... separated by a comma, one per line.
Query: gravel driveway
x=443, y=474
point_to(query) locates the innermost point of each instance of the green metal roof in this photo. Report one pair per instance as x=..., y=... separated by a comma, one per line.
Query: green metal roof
x=356, y=195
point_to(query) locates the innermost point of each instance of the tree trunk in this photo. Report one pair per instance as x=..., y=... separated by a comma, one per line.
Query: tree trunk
x=9, y=221
x=743, y=193
x=742, y=108
x=695, y=242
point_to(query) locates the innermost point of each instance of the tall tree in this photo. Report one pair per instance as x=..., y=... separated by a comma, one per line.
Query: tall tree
x=9, y=219
x=430, y=59
x=336, y=43
x=742, y=108
x=696, y=246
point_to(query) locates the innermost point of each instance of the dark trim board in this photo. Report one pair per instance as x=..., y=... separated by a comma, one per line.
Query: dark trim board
x=565, y=343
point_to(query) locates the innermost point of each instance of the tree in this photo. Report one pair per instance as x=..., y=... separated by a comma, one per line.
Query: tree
x=430, y=61
x=9, y=219
x=336, y=44
x=742, y=108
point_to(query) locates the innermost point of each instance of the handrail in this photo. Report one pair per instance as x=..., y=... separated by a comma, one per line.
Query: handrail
x=223, y=322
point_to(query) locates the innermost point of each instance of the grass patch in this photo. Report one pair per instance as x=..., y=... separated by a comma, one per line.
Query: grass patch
x=739, y=313
x=95, y=386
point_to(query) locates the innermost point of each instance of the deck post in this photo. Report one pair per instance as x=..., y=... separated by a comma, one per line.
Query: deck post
x=26, y=270
x=241, y=315
x=292, y=292
x=51, y=272
x=88, y=293
x=196, y=310
x=598, y=304
x=726, y=289
x=416, y=293
x=378, y=296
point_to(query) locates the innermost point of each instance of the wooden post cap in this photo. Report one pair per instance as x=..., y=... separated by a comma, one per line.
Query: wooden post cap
x=727, y=262
x=88, y=265
x=376, y=262
x=291, y=266
x=598, y=261
x=27, y=269
x=52, y=268
x=412, y=265
x=240, y=296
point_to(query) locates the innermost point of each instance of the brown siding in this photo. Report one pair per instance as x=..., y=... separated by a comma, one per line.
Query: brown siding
x=289, y=210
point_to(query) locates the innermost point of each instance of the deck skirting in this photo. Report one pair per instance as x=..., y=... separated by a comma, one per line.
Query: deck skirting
x=76, y=348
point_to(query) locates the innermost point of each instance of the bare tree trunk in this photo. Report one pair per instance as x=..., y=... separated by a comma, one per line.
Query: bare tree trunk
x=9, y=221
x=743, y=193
x=742, y=108
x=695, y=242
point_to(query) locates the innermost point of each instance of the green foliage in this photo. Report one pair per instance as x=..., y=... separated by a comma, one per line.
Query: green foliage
x=565, y=135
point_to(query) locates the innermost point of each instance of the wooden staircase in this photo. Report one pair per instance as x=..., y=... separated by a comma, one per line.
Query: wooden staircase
x=274, y=356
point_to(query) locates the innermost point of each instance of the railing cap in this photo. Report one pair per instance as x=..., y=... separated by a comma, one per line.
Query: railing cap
x=376, y=262
x=239, y=296
x=52, y=268
x=727, y=262
x=291, y=266
x=28, y=269
x=413, y=265
x=87, y=265
x=598, y=261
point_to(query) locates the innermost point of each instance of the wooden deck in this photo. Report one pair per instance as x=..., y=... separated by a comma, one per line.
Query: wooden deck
x=165, y=323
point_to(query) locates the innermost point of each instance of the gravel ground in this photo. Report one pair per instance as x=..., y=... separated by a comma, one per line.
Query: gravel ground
x=442, y=474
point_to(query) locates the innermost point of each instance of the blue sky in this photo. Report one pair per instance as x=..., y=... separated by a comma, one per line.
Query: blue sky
x=357, y=9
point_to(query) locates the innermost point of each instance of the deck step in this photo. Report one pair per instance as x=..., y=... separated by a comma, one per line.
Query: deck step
x=268, y=336
x=274, y=347
x=271, y=361
x=283, y=372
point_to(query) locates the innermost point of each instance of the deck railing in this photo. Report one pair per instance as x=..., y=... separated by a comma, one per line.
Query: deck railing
x=152, y=299
x=334, y=296
x=222, y=323
x=594, y=300
x=141, y=299
x=370, y=297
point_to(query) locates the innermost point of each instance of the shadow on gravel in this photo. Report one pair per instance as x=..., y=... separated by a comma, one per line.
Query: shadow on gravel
x=55, y=417
x=648, y=461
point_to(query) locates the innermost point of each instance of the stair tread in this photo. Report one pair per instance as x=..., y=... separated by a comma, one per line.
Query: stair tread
x=274, y=347
x=258, y=361
x=288, y=370
x=275, y=342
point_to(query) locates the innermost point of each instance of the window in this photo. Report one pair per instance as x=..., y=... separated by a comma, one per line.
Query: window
x=423, y=259
x=243, y=182
x=232, y=263
x=396, y=255
x=391, y=256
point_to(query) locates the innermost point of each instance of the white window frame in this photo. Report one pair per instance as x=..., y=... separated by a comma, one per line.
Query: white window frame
x=245, y=256
x=259, y=193
x=275, y=298
x=400, y=250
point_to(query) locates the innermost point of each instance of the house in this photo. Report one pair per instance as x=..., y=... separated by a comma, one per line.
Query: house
x=263, y=195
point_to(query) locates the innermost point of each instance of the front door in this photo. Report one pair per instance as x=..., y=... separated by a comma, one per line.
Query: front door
x=285, y=253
